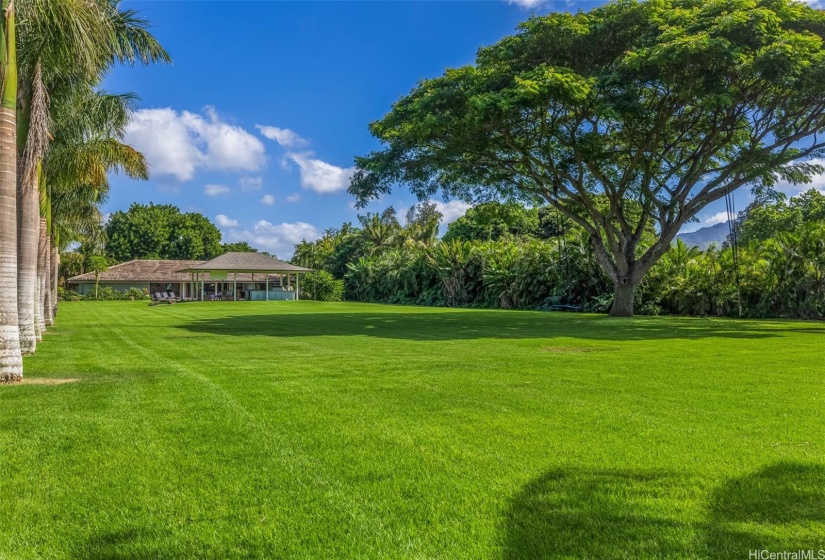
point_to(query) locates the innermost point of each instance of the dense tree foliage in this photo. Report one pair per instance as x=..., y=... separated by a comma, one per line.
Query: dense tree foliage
x=161, y=231
x=668, y=104
x=781, y=271
x=492, y=221
x=238, y=247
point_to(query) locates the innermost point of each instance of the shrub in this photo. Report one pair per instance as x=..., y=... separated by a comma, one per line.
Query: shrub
x=320, y=285
x=104, y=293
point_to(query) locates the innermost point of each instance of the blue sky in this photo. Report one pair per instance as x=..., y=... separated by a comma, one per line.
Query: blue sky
x=257, y=121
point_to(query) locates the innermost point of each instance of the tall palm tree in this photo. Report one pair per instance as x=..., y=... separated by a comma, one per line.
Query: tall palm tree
x=88, y=128
x=67, y=43
x=11, y=362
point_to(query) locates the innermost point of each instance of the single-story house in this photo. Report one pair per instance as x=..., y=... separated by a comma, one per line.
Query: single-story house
x=233, y=276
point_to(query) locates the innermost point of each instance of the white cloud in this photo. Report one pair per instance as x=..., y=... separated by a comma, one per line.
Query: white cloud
x=267, y=200
x=249, y=184
x=718, y=218
x=293, y=197
x=215, y=190
x=452, y=210
x=320, y=176
x=225, y=221
x=178, y=144
x=166, y=142
x=283, y=136
x=277, y=238
x=527, y=3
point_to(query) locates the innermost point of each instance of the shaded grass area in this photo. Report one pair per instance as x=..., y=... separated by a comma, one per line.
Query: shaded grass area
x=311, y=430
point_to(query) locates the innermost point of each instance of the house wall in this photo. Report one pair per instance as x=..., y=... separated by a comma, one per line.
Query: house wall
x=87, y=288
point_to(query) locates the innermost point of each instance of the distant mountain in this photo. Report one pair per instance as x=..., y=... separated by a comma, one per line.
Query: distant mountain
x=703, y=237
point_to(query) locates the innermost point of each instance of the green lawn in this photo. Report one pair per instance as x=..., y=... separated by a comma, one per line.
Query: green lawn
x=312, y=430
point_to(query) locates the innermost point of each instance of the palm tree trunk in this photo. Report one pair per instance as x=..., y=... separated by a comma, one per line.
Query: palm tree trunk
x=42, y=272
x=32, y=111
x=55, y=268
x=48, y=300
x=27, y=242
x=11, y=362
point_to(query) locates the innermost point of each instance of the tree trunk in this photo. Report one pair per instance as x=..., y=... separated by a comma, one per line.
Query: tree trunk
x=11, y=362
x=42, y=273
x=55, y=264
x=623, y=298
x=27, y=242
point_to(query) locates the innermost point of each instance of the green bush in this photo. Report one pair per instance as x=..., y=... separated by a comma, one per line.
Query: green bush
x=320, y=285
x=104, y=293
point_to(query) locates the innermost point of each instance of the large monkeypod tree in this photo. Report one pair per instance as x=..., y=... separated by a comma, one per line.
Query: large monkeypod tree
x=631, y=115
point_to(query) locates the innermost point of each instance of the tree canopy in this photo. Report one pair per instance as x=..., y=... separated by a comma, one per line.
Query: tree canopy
x=161, y=231
x=669, y=104
x=238, y=247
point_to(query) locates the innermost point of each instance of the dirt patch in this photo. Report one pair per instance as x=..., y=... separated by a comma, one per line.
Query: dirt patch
x=575, y=349
x=43, y=381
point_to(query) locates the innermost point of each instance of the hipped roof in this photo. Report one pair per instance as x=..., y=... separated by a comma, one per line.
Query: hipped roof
x=141, y=271
x=244, y=262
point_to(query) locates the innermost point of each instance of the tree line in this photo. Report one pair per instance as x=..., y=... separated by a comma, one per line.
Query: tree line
x=502, y=255
x=60, y=136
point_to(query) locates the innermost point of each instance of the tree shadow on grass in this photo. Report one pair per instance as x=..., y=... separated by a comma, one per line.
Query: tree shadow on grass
x=779, y=507
x=596, y=514
x=136, y=543
x=635, y=514
x=451, y=325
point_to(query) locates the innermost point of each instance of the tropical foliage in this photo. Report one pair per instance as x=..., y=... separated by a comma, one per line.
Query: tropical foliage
x=658, y=108
x=780, y=273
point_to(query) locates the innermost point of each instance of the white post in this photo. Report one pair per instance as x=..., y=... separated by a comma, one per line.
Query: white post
x=297, y=296
x=266, y=282
x=201, y=275
x=234, y=286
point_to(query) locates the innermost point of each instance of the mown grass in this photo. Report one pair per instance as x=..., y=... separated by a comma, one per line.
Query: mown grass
x=311, y=430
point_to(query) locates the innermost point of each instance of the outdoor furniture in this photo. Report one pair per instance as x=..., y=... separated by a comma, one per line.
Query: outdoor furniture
x=160, y=297
x=565, y=307
x=173, y=296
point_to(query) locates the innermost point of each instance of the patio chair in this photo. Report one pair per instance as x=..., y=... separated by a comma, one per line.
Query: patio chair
x=173, y=296
x=160, y=296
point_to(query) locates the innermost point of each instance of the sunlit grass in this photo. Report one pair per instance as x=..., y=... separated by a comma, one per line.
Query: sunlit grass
x=311, y=430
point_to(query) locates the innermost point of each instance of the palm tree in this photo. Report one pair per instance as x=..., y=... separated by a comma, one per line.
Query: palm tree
x=67, y=43
x=379, y=231
x=88, y=127
x=11, y=362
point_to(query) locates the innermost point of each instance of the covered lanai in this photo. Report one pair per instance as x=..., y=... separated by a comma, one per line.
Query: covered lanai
x=232, y=276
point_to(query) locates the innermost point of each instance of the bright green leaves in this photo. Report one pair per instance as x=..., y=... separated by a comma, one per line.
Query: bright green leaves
x=161, y=231
x=559, y=85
